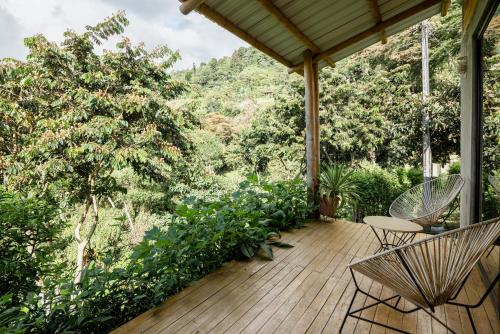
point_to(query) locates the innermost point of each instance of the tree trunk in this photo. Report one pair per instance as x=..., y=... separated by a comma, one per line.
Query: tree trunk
x=129, y=217
x=82, y=244
x=111, y=202
x=426, y=140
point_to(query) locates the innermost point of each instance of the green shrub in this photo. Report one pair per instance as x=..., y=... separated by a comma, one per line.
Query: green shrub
x=201, y=237
x=415, y=176
x=28, y=243
x=454, y=168
x=490, y=201
x=377, y=189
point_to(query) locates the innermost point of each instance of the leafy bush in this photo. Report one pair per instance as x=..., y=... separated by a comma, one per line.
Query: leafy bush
x=415, y=176
x=336, y=188
x=377, y=189
x=454, y=168
x=201, y=237
x=29, y=242
x=491, y=201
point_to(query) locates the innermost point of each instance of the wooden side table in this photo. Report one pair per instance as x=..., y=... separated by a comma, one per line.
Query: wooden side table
x=392, y=232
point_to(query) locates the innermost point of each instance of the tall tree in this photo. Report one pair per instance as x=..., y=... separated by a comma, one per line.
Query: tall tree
x=79, y=116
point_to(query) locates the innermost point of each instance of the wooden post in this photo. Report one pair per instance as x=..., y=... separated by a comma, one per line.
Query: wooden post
x=312, y=130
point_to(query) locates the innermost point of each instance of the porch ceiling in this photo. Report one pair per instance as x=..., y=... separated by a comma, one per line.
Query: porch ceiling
x=332, y=30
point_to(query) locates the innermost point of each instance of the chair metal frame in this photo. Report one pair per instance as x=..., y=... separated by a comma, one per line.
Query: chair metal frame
x=412, y=268
x=468, y=307
x=391, y=239
x=429, y=218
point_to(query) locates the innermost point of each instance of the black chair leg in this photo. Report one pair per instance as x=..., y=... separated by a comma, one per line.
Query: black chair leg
x=348, y=310
x=351, y=313
x=471, y=320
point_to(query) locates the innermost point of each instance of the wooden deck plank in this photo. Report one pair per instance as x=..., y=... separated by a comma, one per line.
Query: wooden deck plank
x=200, y=289
x=292, y=292
x=300, y=319
x=236, y=314
x=437, y=328
x=464, y=320
x=331, y=316
x=170, y=326
x=395, y=319
x=410, y=319
x=480, y=315
x=453, y=318
x=337, y=294
x=261, y=305
x=333, y=270
x=214, y=308
x=306, y=288
x=256, y=296
x=364, y=327
x=382, y=312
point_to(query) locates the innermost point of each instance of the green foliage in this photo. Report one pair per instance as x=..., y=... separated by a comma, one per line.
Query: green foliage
x=211, y=151
x=416, y=176
x=377, y=189
x=201, y=237
x=371, y=109
x=276, y=134
x=491, y=97
x=76, y=116
x=29, y=234
x=336, y=181
x=117, y=125
x=454, y=168
x=491, y=201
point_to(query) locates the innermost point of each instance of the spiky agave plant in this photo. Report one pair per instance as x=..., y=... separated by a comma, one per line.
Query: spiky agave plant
x=337, y=188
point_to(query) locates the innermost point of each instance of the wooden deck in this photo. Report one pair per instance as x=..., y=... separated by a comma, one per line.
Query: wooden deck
x=305, y=289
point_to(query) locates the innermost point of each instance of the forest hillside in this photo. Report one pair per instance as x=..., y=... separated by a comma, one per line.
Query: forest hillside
x=251, y=110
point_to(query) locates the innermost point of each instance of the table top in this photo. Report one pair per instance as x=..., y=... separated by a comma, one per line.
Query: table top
x=393, y=224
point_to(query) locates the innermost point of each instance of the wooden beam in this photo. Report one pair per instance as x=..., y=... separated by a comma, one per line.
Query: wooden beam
x=329, y=62
x=378, y=18
x=312, y=130
x=378, y=27
x=445, y=5
x=371, y=31
x=292, y=28
x=231, y=27
x=188, y=6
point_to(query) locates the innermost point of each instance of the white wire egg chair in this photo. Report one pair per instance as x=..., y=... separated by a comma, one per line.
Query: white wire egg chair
x=425, y=203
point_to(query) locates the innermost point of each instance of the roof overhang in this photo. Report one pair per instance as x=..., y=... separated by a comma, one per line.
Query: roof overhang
x=331, y=30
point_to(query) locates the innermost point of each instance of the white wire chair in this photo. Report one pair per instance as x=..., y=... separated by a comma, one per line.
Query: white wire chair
x=425, y=203
x=428, y=273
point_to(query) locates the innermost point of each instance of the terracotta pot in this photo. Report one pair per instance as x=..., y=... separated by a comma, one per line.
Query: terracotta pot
x=328, y=206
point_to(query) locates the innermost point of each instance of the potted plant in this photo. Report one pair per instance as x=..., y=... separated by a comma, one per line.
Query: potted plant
x=337, y=188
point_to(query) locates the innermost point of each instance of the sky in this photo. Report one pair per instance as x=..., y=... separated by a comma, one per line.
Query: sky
x=154, y=22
